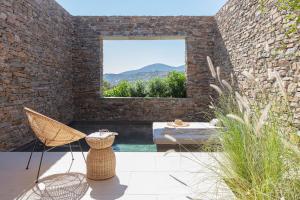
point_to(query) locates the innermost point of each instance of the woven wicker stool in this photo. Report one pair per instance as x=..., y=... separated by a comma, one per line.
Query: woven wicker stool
x=101, y=159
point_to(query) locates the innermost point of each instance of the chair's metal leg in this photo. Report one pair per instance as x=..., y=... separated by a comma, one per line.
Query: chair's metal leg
x=31, y=154
x=38, y=174
x=71, y=151
x=81, y=150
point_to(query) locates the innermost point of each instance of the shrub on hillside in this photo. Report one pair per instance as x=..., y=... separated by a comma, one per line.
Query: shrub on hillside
x=138, y=89
x=121, y=90
x=157, y=87
x=174, y=85
x=106, y=85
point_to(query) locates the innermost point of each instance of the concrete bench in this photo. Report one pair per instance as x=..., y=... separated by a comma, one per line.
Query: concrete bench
x=195, y=133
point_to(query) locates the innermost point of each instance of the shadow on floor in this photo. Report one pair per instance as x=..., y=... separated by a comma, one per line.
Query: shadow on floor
x=73, y=186
x=13, y=169
x=67, y=186
x=109, y=186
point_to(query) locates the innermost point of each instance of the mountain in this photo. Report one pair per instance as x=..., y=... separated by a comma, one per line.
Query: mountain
x=145, y=73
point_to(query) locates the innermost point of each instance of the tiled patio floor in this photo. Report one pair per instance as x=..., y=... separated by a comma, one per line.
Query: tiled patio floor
x=140, y=176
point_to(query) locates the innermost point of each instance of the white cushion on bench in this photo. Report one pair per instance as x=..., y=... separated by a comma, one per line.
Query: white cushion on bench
x=195, y=133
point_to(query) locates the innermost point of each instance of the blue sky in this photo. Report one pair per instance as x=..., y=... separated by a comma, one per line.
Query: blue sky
x=125, y=55
x=142, y=7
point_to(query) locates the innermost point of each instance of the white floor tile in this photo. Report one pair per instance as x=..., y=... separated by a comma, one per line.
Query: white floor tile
x=174, y=197
x=170, y=162
x=140, y=176
x=135, y=162
x=125, y=197
x=143, y=183
x=114, y=186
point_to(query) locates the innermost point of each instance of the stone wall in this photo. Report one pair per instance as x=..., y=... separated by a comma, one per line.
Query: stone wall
x=53, y=62
x=35, y=66
x=249, y=39
x=88, y=66
x=142, y=109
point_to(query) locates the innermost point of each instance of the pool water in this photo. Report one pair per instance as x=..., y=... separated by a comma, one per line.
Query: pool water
x=133, y=137
x=135, y=148
x=118, y=147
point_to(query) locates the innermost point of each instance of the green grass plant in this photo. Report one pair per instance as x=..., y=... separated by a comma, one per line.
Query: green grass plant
x=259, y=162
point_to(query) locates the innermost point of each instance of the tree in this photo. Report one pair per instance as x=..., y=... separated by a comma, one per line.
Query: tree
x=174, y=85
x=138, y=89
x=176, y=82
x=121, y=90
x=157, y=87
x=106, y=85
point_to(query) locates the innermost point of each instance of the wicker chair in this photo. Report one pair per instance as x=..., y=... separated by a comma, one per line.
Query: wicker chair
x=51, y=133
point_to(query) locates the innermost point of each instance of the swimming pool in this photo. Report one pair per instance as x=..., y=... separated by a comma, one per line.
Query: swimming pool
x=133, y=136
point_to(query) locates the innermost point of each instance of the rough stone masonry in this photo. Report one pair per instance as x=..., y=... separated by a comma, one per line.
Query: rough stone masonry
x=89, y=33
x=53, y=62
x=35, y=66
x=255, y=40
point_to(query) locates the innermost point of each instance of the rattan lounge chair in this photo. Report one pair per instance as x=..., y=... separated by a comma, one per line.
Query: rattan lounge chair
x=51, y=133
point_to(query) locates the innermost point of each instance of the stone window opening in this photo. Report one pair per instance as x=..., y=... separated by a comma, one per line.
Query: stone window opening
x=139, y=67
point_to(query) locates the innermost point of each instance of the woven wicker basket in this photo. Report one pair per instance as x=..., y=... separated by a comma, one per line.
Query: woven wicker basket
x=101, y=164
x=97, y=143
x=101, y=159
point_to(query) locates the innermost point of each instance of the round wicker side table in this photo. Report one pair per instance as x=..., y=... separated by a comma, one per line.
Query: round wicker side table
x=101, y=159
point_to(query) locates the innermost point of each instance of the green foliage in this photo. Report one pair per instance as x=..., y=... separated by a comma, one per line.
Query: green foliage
x=138, y=89
x=174, y=85
x=289, y=5
x=106, y=85
x=121, y=90
x=291, y=8
x=158, y=87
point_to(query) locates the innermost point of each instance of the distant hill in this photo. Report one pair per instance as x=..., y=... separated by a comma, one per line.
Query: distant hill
x=145, y=73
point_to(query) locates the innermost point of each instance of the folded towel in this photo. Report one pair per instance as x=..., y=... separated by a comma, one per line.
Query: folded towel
x=196, y=132
x=174, y=125
x=102, y=135
x=193, y=128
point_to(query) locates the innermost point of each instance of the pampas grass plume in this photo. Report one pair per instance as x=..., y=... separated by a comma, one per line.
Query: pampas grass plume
x=263, y=118
x=227, y=85
x=216, y=88
x=211, y=67
x=235, y=117
x=219, y=75
x=171, y=138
